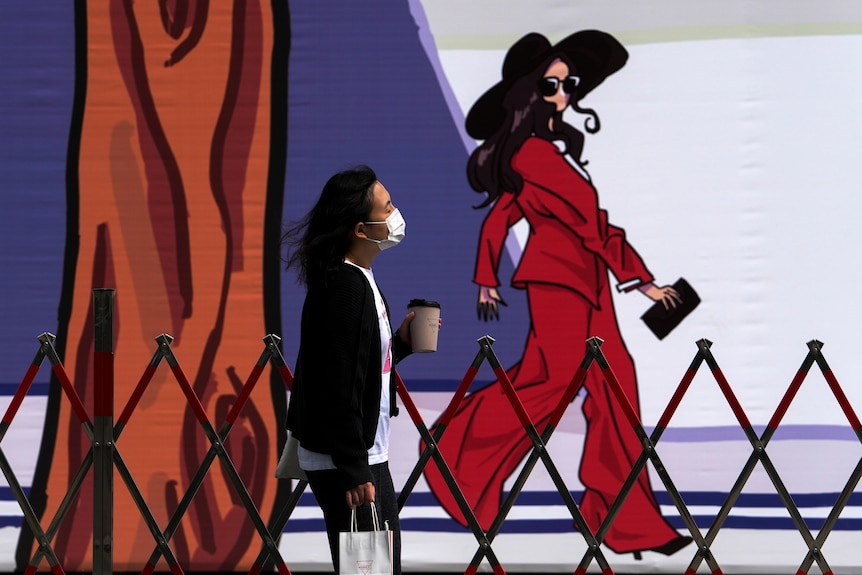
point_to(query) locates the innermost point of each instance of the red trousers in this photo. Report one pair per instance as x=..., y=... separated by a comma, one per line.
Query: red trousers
x=485, y=442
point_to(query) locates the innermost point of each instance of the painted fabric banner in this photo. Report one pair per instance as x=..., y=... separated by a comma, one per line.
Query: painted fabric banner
x=558, y=166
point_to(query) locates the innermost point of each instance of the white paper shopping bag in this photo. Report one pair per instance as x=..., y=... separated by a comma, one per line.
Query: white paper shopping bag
x=365, y=552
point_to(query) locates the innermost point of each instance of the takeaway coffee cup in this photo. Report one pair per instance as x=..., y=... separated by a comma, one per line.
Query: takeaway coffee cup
x=425, y=325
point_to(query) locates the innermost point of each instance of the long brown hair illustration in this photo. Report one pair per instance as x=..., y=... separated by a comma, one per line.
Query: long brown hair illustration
x=172, y=194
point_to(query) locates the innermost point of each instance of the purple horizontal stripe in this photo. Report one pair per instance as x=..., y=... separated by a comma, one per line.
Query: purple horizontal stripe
x=691, y=498
x=567, y=525
x=737, y=520
x=735, y=433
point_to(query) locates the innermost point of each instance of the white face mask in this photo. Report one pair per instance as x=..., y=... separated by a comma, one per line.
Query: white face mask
x=397, y=228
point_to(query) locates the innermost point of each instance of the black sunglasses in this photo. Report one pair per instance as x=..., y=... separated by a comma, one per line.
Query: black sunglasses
x=550, y=85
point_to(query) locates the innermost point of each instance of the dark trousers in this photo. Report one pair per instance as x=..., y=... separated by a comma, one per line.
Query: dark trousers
x=328, y=489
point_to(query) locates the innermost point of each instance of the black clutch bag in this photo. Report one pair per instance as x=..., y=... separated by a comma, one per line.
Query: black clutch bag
x=661, y=321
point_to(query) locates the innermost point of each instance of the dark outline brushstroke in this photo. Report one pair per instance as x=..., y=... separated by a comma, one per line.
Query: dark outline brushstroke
x=272, y=228
x=203, y=506
x=199, y=24
x=174, y=23
x=39, y=487
x=144, y=106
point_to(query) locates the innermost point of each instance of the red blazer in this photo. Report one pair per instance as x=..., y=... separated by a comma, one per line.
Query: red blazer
x=571, y=243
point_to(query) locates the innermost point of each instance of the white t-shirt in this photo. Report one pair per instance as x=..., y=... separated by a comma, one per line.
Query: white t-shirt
x=379, y=452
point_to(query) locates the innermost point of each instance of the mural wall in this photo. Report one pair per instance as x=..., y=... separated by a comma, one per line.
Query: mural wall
x=161, y=148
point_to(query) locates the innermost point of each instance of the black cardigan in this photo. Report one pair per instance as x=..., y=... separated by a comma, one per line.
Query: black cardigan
x=335, y=400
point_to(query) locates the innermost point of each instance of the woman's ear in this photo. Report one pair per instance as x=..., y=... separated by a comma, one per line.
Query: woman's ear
x=359, y=230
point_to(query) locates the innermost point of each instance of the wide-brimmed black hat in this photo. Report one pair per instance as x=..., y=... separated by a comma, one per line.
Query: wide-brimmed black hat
x=595, y=55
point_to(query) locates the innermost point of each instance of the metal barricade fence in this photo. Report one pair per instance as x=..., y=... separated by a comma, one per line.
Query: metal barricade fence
x=104, y=455
x=431, y=450
x=43, y=537
x=649, y=453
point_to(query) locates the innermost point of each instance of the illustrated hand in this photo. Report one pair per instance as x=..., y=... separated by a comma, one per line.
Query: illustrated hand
x=487, y=307
x=360, y=495
x=667, y=295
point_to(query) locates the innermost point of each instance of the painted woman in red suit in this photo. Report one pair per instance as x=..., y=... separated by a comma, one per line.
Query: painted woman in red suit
x=529, y=166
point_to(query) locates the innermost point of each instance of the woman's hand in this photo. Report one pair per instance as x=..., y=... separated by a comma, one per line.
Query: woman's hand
x=487, y=307
x=667, y=295
x=404, y=330
x=360, y=495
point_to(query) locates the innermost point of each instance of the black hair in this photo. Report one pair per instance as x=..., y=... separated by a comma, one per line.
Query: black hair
x=489, y=169
x=320, y=239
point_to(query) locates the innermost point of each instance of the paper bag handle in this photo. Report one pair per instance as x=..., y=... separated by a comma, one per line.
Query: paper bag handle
x=354, y=524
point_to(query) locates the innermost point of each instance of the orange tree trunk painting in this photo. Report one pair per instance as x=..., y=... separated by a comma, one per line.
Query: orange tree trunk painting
x=175, y=202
